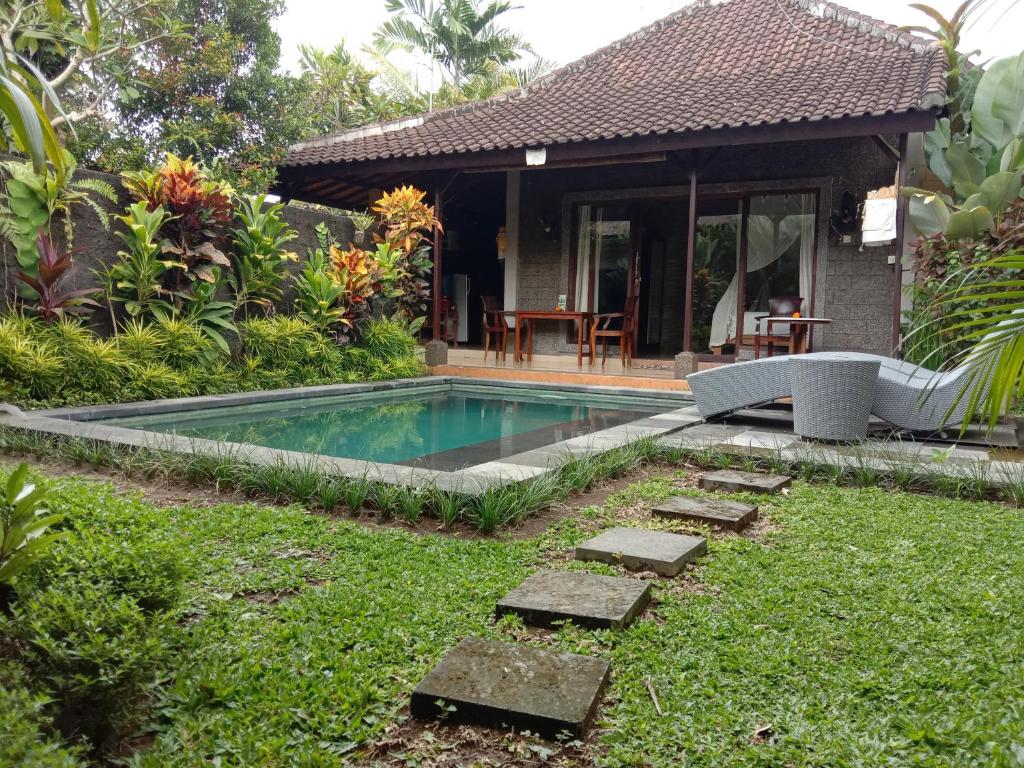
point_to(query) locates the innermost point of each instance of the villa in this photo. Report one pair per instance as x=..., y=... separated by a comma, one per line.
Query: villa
x=689, y=173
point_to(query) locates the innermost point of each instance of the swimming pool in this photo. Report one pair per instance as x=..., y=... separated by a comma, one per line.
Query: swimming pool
x=444, y=430
x=434, y=429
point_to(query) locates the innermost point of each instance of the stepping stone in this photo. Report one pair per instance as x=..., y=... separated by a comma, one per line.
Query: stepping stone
x=598, y=602
x=722, y=513
x=755, y=482
x=519, y=686
x=641, y=550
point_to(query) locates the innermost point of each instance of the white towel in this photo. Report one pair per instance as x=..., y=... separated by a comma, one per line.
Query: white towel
x=879, y=226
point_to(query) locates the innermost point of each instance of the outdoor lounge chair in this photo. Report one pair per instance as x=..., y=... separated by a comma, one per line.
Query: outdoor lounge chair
x=908, y=396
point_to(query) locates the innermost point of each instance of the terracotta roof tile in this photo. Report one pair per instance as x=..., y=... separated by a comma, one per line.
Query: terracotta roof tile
x=713, y=64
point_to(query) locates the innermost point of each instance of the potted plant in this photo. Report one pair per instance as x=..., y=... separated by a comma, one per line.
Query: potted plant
x=363, y=222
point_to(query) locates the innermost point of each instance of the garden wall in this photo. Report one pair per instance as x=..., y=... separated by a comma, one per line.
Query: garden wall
x=95, y=246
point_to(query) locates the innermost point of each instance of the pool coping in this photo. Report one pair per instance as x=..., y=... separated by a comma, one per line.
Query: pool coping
x=76, y=422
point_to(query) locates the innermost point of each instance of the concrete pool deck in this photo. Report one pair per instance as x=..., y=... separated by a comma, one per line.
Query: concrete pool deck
x=81, y=422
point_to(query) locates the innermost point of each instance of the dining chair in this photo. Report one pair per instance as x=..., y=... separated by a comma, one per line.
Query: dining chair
x=779, y=306
x=614, y=325
x=494, y=325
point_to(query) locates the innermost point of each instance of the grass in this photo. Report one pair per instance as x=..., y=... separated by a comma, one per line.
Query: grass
x=867, y=627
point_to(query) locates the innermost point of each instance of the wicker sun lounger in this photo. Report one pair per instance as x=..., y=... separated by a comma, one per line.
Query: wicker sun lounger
x=907, y=396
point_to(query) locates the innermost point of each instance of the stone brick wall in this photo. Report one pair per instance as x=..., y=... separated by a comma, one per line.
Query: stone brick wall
x=853, y=286
x=95, y=246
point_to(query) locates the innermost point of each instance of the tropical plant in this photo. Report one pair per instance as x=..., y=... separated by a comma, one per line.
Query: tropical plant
x=971, y=245
x=49, y=296
x=199, y=306
x=23, y=525
x=260, y=259
x=362, y=222
x=354, y=271
x=982, y=170
x=200, y=211
x=406, y=220
x=458, y=34
x=137, y=276
x=319, y=297
x=32, y=199
x=961, y=78
x=30, y=126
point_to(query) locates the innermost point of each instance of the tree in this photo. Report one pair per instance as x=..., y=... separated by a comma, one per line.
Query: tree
x=457, y=34
x=961, y=78
x=343, y=90
x=213, y=95
x=85, y=51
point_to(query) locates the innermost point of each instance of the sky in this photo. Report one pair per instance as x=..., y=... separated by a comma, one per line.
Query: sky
x=565, y=30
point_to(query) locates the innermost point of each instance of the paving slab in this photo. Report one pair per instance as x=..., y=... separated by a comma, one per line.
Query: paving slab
x=511, y=685
x=733, y=515
x=599, y=602
x=755, y=482
x=641, y=550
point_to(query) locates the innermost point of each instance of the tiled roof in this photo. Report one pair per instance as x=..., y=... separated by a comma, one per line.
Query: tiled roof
x=713, y=64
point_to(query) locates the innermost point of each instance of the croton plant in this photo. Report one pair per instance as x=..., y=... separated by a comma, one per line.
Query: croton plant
x=200, y=211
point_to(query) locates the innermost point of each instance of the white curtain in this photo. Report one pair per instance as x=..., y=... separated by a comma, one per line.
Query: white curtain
x=807, y=237
x=583, y=247
x=768, y=238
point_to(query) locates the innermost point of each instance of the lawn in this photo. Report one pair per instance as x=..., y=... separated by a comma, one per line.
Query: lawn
x=856, y=627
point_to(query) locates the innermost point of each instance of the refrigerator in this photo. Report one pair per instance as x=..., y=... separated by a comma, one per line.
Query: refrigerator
x=456, y=288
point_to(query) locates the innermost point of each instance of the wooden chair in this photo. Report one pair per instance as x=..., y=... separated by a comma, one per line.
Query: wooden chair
x=449, y=321
x=614, y=325
x=780, y=306
x=494, y=325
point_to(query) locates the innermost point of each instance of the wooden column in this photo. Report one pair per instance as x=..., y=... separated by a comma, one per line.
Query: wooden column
x=691, y=246
x=438, y=248
x=897, y=278
x=741, y=275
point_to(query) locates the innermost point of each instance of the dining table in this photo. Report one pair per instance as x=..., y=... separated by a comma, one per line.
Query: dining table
x=527, y=317
x=799, y=331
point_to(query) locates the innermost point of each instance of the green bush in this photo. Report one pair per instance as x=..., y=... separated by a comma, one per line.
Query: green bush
x=388, y=338
x=67, y=363
x=26, y=737
x=95, y=623
x=96, y=651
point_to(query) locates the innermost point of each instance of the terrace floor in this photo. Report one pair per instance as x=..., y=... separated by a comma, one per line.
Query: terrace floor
x=561, y=369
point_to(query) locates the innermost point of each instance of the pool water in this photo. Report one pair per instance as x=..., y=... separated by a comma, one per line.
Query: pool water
x=446, y=430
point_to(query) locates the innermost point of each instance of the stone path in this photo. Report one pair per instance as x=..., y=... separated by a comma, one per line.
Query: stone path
x=511, y=685
x=641, y=550
x=599, y=602
x=721, y=513
x=755, y=482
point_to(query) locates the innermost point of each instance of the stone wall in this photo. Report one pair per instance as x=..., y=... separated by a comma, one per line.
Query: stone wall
x=95, y=246
x=853, y=286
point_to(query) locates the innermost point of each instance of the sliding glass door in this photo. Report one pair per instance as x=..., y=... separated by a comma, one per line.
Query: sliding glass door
x=747, y=250
x=604, y=258
x=716, y=259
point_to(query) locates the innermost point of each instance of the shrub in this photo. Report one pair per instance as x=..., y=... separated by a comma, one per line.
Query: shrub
x=95, y=622
x=140, y=342
x=279, y=342
x=156, y=381
x=389, y=339
x=25, y=728
x=97, y=651
x=184, y=345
